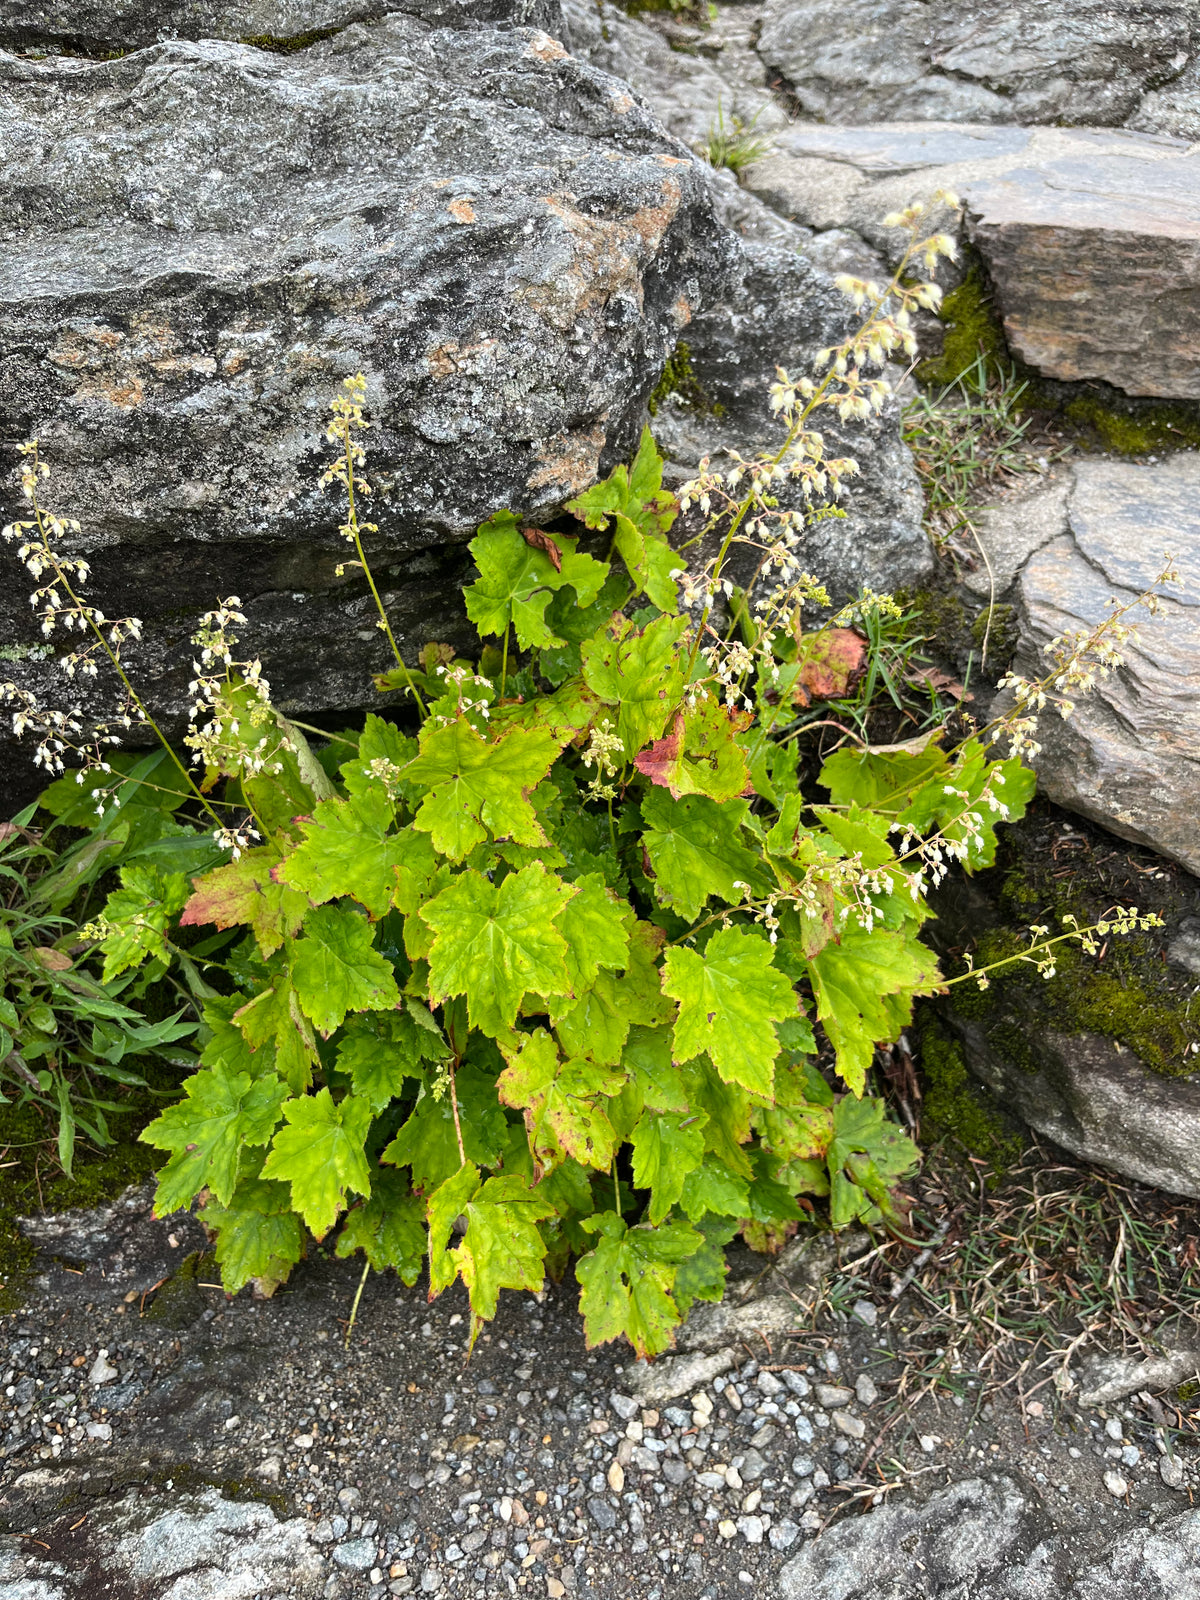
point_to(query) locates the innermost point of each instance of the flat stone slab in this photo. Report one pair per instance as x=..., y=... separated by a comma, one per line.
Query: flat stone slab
x=976, y=1538
x=1129, y=757
x=1078, y=61
x=1091, y=236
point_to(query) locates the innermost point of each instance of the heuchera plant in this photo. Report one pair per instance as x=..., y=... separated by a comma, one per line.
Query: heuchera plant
x=550, y=976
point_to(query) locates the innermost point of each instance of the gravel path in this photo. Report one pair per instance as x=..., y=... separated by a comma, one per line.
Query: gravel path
x=396, y=1466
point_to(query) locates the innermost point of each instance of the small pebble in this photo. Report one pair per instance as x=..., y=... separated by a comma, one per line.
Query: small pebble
x=1116, y=1485
x=1170, y=1470
x=864, y=1388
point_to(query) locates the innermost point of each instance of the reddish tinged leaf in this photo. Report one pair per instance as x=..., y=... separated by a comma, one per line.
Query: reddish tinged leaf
x=700, y=755
x=245, y=891
x=830, y=662
x=940, y=682
x=539, y=540
x=657, y=760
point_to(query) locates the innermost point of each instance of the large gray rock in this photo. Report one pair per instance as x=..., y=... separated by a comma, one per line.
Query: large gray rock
x=977, y=1539
x=688, y=87
x=193, y=1547
x=102, y=26
x=783, y=312
x=1078, y=61
x=200, y=240
x=1094, y=1097
x=1091, y=237
x=1129, y=756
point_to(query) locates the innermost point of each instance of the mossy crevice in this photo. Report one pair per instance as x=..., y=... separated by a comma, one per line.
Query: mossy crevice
x=680, y=382
x=281, y=46
x=1128, y=993
x=953, y=1104
x=1105, y=417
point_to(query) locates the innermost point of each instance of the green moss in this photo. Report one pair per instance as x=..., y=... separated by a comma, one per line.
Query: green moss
x=679, y=379
x=179, y=1303
x=952, y=1104
x=972, y=329
x=1134, y=428
x=1002, y=635
x=288, y=46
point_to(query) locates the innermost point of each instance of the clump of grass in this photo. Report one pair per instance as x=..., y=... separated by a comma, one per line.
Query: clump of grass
x=1030, y=1272
x=734, y=143
x=966, y=440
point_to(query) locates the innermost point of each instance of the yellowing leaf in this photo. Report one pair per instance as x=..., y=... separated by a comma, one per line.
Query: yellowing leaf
x=475, y=787
x=700, y=754
x=243, y=891
x=502, y=1247
x=320, y=1153
x=495, y=943
x=559, y=1099
x=729, y=999
x=625, y=1282
x=640, y=673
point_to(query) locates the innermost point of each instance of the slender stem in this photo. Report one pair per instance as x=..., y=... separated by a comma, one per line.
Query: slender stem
x=616, y=1186
x=504, y=664
x=352, y=524
x=337, y=738
x=362, y=1283
x=85, y=611
x=462, y=1153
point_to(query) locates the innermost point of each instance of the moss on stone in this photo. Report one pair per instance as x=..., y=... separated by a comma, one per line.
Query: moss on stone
x=1130, y=996
x=280, y=46
x=1002, y=636
x=972, y=329
x=953, y=1104
x=1136, y=427
x=679, y=380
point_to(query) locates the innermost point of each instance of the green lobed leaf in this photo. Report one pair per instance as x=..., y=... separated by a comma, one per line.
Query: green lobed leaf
x=712, y=1188
x=626, y=1280
x=729, y=1000
x=666, y=1148
x=335, y=969
x=320, y=1153
x=259, y=1237
x=853, y=982
x=475, y=787
x=222, y=1113
x=138, y=915
x=276, y=1029
x=380, y=1051
x=598, y=1024
x=347, y=850
x=595, y=925
x=517, y=580
x=427, y=1143
x=389, y=1228
x=696, y=848
x=495, y=943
